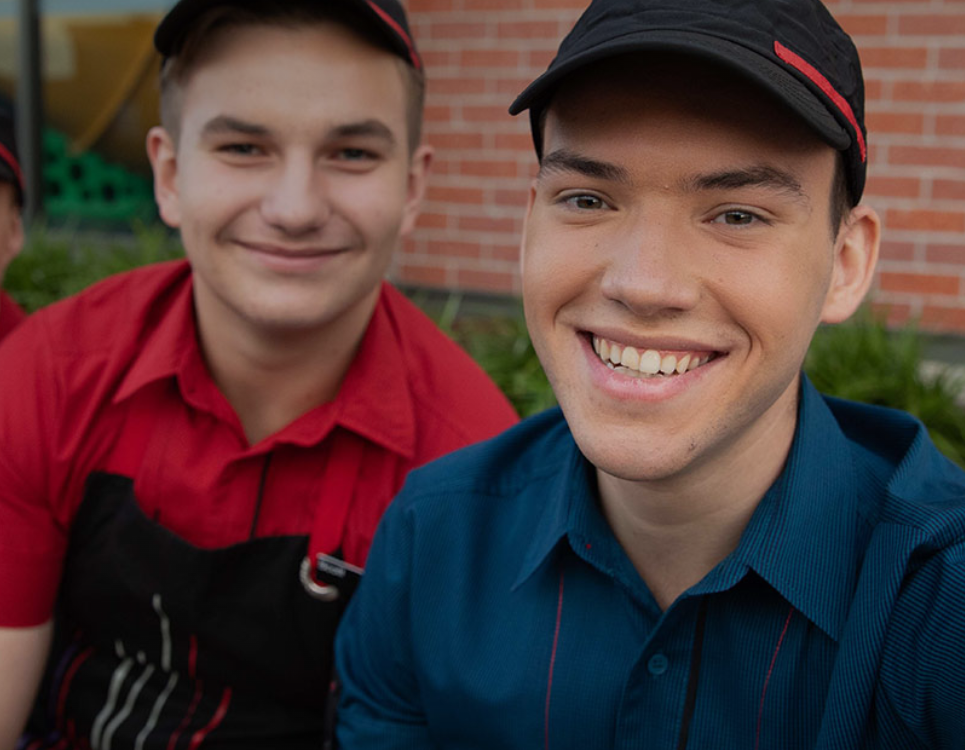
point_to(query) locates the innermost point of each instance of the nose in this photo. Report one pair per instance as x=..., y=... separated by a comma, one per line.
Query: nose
x=295, y=200
x=651, y=268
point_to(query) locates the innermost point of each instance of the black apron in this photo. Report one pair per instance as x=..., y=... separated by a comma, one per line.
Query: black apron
x=163, y=645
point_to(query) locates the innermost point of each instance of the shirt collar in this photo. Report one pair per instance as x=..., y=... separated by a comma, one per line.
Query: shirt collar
x=802, y=539
x=374, y=400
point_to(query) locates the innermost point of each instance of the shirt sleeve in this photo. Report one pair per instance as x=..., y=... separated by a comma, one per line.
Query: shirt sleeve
x=380, y=705
x=32, y=543
x=923, y=665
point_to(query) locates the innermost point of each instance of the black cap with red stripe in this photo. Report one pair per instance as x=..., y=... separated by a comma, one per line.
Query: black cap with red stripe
x=793, y=48
x=10, y=170
x=386, y=17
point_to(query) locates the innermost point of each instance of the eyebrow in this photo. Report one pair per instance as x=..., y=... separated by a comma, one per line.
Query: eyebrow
x=759, y=176
x=568, y=161
x=227, y=124
x=365, y=128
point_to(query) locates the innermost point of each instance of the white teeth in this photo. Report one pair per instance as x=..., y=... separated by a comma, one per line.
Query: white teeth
x=630, y=358
x=650, y=362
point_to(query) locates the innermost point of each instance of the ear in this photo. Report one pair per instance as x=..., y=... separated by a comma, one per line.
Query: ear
x=855, y=257
x=419, y=166
x=163, y=154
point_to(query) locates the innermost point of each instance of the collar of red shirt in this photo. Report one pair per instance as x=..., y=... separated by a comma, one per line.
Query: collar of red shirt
x=374, y=401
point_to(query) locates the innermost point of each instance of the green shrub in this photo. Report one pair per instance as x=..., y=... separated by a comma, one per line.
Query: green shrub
x=865, y=361
x=55, y=265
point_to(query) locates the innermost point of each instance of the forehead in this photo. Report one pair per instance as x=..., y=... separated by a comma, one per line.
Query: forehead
x=297, y=72
x=616, y=99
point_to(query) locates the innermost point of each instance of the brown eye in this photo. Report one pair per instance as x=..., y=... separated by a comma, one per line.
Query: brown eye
x=738, y=218
x=585, y=202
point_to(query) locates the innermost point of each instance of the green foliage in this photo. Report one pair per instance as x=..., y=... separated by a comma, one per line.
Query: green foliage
x=864, y=361
x=53, y=266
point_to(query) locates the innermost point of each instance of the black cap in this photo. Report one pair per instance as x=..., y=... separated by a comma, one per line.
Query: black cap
x=387, y=17
x=10, y=170
x=792, y=48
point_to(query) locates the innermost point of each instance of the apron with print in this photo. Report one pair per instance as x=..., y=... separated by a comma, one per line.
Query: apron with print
x=162, y=645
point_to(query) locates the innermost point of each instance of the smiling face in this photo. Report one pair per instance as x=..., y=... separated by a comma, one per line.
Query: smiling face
x=291, y=178
x=677, y=258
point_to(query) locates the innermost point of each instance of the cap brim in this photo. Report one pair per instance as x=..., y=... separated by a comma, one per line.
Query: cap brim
x=767, y=73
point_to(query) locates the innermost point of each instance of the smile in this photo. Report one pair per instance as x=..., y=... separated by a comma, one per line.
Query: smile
x=648, y=363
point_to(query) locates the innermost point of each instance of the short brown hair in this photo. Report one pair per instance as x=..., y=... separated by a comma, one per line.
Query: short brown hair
x=292, y=14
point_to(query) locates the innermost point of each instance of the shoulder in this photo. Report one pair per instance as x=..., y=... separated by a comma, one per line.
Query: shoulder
x=907, y=481
x=525, y=459
x=445, y=382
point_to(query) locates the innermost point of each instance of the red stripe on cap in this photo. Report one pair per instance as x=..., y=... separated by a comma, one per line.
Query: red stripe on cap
x=391, y=23
x=8, y=157
x=799, y=63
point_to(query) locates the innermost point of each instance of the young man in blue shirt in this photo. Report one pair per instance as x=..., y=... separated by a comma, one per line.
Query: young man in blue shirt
x=698, y=549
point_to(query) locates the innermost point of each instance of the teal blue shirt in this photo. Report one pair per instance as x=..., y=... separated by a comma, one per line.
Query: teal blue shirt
x=498, y=611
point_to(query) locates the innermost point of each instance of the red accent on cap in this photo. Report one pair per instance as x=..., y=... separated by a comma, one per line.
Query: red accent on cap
x=8, y=157
x=389, y=21
x=799, y=63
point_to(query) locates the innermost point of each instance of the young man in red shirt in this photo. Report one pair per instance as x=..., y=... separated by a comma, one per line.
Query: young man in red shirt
x=196, y=454
x=11, y=224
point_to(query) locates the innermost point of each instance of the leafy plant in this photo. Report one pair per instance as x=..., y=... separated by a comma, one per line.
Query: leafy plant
x=865, y=361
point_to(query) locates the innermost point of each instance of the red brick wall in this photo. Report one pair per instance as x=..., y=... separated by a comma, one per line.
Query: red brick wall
x=480, y=53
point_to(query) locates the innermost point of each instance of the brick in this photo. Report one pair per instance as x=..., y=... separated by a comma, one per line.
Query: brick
x=895, y=122
x=517, y=198
x=952, y=59
x=900, y=251
x=928, y=91
x=436, y=59
x=895, y=315
x=932, y=156
x=465, y=141
x=489, y=168
x=515, y=141
x=919, y=283
x=893, y=187
x=424, y=275
x=951, y=254
x=950, y=125
x=454, y=195
x=940, y=24
x=437, y=113
x=432, y=221
x=893, y=57
x=453, y=248
x=489, y=224
x=950, y=319
x=926, y=220
x=951, y=190
x=506, y=253
x=863, y=25
x=873, y=89
x=489, y=58
x=490, y=281
x=529, y=30
x=429, y=6
x=561, y=4
x=540, y=58
x=486, y=114
x=450, y=30
x=459, y=86
x=491, y=5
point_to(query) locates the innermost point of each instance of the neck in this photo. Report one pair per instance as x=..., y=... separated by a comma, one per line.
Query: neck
x=270, y=376
x=676, y=530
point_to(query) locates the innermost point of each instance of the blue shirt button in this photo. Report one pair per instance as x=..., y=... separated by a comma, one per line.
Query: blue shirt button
x=658, y=664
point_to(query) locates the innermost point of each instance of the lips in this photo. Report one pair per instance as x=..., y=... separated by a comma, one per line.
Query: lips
x=649, y=363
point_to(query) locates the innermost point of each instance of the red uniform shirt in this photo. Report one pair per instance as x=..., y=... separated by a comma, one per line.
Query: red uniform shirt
x=93, y=370
x=10, y=314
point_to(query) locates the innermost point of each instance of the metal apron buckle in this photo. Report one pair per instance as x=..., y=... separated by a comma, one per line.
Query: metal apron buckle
x=314, y=589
